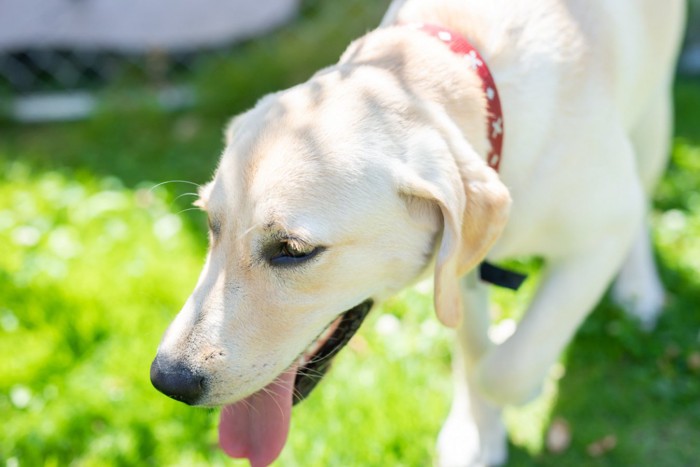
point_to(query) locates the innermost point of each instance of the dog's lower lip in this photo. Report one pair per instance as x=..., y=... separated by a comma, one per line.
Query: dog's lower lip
x=313, y=349
x=314, y=367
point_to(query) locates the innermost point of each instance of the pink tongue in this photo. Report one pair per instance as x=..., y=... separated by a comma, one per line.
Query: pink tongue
x=256, y=427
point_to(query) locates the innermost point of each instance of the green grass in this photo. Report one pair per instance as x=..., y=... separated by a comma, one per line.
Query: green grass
x=94, y=265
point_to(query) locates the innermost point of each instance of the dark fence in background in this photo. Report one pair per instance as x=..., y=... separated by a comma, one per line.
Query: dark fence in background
x=690, y=60
x=48, y=45
x=51, y=68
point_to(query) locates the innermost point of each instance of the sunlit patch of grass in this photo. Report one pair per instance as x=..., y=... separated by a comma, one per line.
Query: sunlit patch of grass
x=94, y=265
x=91, y=273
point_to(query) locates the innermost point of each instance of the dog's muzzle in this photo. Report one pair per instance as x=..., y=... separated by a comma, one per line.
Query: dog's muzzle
x=179, y=382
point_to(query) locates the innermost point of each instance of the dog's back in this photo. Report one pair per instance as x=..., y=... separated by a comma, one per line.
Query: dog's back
x=569, y=73
x=636, y=42
x=632, y=43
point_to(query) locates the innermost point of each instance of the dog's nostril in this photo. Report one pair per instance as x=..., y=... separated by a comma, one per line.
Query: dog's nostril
x=176, y=380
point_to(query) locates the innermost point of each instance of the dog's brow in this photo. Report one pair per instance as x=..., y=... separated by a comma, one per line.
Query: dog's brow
x=277, y=229
x=249, y=230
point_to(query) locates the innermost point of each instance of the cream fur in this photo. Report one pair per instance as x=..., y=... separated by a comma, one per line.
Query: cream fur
x=379, y=159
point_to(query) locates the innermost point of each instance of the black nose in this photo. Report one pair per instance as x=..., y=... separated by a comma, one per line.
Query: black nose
x=176, y=380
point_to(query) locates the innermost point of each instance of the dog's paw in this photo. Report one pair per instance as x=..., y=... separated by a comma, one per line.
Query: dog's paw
x=638, y=288
x=460, y=444
x=642, y=296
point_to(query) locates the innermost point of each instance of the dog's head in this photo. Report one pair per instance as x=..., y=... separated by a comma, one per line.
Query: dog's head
x=329, y=196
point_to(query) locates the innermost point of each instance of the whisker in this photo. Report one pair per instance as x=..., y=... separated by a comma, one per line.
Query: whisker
x=174, y=181
x=331, y=354
x=279, y=384
x=188, y=209
x=185, y=194
x=274, y=398
x=310, y=372
x=297, y=393
x=300, y=370
x=248, y=405
x=249, y=230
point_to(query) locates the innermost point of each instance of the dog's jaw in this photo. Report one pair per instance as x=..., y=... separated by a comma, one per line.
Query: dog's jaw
x=256, y=427
x=316, y=365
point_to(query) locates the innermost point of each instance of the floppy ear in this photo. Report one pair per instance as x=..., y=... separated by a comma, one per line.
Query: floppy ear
x=474, y=205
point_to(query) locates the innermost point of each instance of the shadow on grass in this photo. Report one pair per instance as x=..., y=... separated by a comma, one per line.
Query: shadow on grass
x=636, y=389
x=640, y=390
x=687, y=103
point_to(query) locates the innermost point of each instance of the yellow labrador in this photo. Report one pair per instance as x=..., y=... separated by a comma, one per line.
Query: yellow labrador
x=335, y=194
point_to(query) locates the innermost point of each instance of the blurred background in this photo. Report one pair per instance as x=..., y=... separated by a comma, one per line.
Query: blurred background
x=112, y=112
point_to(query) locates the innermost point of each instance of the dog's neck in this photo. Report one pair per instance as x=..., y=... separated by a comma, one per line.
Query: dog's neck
x=473, y=60
x=427, y=70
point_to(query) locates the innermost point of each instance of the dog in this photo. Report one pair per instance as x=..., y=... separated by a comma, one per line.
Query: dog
x=379, y=171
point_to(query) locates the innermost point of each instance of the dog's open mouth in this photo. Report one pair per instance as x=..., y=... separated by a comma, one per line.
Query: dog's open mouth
x=314, y=363
x=256, y=427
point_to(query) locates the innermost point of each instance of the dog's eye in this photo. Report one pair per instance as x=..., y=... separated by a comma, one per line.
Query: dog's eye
x=294, y=251
x=290, y=252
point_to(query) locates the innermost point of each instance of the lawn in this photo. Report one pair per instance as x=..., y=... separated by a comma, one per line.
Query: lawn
x=95, y=260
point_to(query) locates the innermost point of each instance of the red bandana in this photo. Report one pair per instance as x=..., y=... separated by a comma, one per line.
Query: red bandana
x=459, y=45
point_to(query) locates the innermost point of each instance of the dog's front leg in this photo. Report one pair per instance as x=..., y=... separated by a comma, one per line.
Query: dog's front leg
x=513, y=372
x=473, y=433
